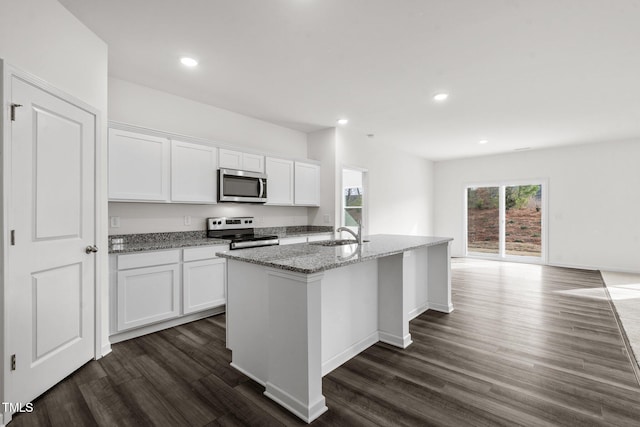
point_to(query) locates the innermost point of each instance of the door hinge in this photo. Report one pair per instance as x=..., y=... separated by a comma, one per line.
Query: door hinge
x=13, y=111
x=13, y=362
x=13, y=237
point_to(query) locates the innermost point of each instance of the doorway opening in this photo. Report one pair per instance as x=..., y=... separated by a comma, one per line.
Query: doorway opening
x=506, y=221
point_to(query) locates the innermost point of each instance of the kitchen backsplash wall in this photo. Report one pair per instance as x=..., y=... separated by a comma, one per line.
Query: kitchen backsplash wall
x=155, y=217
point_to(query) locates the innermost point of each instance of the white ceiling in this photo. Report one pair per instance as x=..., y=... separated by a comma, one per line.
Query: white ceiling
x=532, y=73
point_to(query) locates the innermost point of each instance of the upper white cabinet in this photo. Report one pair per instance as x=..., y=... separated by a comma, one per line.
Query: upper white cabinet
x=280, y=181
x=307, y=184
x=193, y=173
x=138, y=166
x=243, y=161
x=150, y=168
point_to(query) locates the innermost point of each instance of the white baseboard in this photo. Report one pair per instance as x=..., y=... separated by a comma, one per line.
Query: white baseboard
x=350, y=352
x=106, y=349
x=418, y=311
x=394, y=340
x=307, y=413
x=440, y=307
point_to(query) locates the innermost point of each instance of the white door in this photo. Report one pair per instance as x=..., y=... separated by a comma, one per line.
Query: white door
x=51, y=277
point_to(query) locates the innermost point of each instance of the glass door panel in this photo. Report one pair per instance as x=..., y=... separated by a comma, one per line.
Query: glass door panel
x=523, y=220
x=483, y=220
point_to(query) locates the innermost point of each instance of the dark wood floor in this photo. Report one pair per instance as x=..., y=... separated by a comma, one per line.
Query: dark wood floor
x=526, y=345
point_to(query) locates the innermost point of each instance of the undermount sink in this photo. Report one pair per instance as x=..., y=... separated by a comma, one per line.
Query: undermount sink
x=339, y=242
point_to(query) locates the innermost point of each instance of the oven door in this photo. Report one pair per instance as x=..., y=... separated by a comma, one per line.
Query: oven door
x=242, y=186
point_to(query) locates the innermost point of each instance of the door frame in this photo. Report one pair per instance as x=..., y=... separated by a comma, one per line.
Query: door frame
x=8, y=72
x=544, y=182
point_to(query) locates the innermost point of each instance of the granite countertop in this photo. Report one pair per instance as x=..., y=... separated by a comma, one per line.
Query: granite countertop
x=312, y=258
x=183, y=239
x=158, y=241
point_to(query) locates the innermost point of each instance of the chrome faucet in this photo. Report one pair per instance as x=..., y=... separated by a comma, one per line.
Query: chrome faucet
x=358, y=236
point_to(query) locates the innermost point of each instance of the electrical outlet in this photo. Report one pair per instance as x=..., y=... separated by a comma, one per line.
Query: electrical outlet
x=115, y=221
x=187, y=220
x=326, y=218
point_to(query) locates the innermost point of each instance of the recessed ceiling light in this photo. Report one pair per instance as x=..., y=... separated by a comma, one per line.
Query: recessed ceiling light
x=189, y=62
x=342, y=122
x=440, y=96
x=483, y=141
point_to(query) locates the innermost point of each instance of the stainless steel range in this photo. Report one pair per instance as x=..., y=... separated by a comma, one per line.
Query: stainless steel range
x=240, y=231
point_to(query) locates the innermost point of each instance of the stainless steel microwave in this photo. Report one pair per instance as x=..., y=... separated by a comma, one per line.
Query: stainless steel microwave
x=242, y=186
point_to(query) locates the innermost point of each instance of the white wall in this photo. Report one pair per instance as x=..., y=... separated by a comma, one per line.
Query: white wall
x=398, y=187
x=593, y=205
x=322, y=147
x=399, y=191
x=42, y=38
x=142, y=106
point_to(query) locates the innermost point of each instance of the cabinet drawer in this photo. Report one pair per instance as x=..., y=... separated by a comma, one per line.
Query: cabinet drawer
x=148, y=259
x=203, y=252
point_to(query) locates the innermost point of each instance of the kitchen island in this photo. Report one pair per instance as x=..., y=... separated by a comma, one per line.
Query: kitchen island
x=295, y=313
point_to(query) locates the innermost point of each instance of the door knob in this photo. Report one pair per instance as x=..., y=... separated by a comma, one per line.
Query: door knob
x=91, y=249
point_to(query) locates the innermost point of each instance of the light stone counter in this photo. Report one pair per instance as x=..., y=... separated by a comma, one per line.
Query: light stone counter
x=313, y=257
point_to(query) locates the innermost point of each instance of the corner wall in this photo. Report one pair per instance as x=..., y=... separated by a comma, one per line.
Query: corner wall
x=399, y=186
x=593, y=200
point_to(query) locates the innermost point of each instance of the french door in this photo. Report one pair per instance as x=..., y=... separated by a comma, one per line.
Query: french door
x=506, y=221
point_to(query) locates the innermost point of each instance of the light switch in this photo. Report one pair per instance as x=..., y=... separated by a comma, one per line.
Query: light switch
x=115, y=221
x=187, y=220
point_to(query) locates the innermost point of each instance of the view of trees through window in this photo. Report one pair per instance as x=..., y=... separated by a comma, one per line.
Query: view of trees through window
x=352, y=206
x=522, y=220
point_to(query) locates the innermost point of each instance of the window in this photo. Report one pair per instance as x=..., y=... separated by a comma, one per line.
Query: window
x=352, y=198
x=506, y=221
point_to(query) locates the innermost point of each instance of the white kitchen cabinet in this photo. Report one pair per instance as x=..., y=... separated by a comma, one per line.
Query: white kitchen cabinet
x=203, y=284
x=138, y=166
x=280, y=181
x=232, y=159
x=193, y=173
x=153, y=290
x=147, y=295
x=307, y=184
x=203, y=278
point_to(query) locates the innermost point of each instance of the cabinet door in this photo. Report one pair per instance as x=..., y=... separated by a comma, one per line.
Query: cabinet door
x=230, y=159
x=138, y=166
x=307, y=184
x=203, y=284
x=253, y=162
x=193, y=173
x=148, y=295
x=279, y=181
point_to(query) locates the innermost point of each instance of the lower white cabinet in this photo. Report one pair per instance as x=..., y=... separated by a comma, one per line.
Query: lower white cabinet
x=154, y=290
x=203, y=284
x=148, y=295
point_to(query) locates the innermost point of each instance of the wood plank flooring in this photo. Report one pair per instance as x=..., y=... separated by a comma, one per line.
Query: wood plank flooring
x=526, y=345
